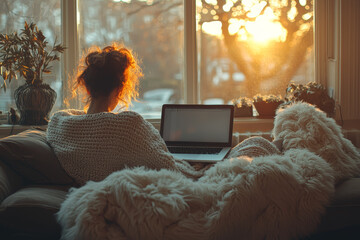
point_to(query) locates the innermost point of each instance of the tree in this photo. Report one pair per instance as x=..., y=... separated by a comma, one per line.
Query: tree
x=152, y=29
x=275, y=61
x=260, y=62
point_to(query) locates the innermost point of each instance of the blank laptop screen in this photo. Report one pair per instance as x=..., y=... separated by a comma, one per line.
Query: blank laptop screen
x=196, y=125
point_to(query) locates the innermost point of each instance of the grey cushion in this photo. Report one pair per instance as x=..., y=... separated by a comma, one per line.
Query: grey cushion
x=9, y=181
x=30, y=211
x=30, y=156
x=344, y=210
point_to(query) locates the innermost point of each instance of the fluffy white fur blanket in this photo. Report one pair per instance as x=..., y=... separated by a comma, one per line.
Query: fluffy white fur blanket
x=274, y=197
x=303, y=126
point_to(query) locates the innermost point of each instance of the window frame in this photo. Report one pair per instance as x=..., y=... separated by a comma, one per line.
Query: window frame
x=70, y=21
x=70, y=38
x=70, y=58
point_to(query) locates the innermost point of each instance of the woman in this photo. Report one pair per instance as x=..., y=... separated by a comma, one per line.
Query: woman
x=93, y=143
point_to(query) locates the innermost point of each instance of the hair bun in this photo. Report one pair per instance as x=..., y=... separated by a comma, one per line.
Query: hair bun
x=111, y=68
x=95, y=59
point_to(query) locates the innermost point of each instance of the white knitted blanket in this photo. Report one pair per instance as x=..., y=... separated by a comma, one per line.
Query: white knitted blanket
x=91, y=146
x=266, y=196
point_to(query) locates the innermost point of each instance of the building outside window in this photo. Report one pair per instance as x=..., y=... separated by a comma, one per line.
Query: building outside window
x=242, y=47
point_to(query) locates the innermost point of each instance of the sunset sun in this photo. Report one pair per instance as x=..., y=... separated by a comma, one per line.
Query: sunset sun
x=263, y=29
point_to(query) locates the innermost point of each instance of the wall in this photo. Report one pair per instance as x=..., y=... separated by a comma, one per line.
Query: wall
x=349, y=96
x=337, y=51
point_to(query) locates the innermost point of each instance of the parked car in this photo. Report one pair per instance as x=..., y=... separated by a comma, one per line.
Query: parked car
x=152, y=101
x=212, y=101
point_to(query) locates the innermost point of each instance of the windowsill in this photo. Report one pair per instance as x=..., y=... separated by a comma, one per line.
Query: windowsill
x=253, y=124
x=256, y=124
x=241, y=124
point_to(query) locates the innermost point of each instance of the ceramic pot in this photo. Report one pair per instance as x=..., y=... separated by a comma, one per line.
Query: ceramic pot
x=34, y=103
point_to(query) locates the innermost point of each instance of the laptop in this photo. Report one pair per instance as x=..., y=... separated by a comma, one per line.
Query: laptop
x=197, y=133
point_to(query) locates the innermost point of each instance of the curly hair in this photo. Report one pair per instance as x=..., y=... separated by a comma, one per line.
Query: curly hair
x=104, y=70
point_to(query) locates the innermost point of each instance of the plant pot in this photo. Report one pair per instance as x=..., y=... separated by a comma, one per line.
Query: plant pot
x=34, y=103
x=267, y=109
x=243, y=111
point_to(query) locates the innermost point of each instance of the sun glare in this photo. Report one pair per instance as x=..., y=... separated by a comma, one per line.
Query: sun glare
x=264, y=29
x=212, y=28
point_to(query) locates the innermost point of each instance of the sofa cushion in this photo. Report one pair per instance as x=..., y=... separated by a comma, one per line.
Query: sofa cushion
x=29, y=155
x=9, y=181
x=30, y=211
x=344, y=210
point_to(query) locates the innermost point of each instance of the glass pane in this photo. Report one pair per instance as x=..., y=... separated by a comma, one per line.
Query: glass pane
x=154, y=31
x=250, y=47
x=47, y=16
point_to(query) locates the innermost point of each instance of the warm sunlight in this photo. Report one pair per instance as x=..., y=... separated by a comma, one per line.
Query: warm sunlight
x=212, y=28
x=265, y=27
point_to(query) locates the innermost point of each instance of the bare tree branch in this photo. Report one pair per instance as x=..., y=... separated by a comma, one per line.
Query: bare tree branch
x=142, y=7
x=285, y=57
x=168, y=8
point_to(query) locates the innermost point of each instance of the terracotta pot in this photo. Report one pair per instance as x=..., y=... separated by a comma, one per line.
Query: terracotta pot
x=243, y=111
x=34, y=103
x=267, y=109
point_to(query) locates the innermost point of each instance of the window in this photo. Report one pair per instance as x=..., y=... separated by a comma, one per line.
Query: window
x=251, y=47
x=203, y=66
x=47, y=16
x=154, y=30
x=242, y=47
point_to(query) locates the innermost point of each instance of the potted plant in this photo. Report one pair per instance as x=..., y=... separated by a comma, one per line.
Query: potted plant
x=313, y=93
x=27, y=55
x=242, y=107
x=266, y=105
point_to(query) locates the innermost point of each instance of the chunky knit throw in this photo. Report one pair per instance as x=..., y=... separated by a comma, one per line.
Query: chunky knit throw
x=92, y=146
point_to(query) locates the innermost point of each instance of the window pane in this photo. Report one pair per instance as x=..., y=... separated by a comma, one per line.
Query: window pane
x=154, y=31
x=47, y=16
x=251, y=47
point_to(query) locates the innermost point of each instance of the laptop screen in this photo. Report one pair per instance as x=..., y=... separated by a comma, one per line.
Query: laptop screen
x=197, y=124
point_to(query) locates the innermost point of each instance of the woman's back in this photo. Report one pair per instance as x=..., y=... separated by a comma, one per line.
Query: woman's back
x=91, y=146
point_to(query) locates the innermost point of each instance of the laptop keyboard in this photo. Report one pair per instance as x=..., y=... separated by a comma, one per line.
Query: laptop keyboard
x=194, y=150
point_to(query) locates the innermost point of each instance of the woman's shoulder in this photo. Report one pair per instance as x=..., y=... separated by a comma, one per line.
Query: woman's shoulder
x=134, y=119
x=73, y=115
x=119, y=115
x=129, y=116
x=69, y=112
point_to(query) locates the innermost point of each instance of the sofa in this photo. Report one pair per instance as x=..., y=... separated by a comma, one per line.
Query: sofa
x=33, y=185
